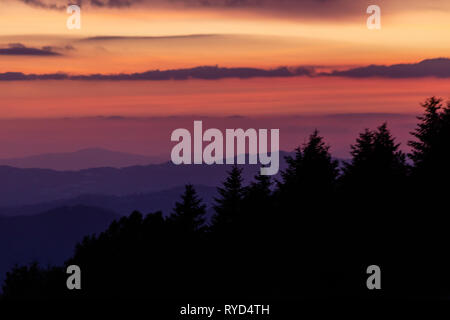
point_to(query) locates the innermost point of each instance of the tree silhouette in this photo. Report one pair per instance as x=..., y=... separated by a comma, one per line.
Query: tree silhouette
x=430, y=151
x=303, y=202
x=377, y=162
x=258, y=206
x=312, y=171
x=260, y=188
x=34, y=282
x=189, y=214
x=307, y=185
x=312, y=234
x=228, y=206
x=427, y=213
x=373, y=193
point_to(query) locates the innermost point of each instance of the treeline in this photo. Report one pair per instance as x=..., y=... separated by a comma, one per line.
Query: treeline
x=310, y=235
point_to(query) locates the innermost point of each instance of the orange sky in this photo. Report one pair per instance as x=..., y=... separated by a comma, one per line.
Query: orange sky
x=242, y=37
x=183, y=34
x=298, y=95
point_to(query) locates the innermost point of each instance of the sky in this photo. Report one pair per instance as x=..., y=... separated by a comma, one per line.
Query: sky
x=132, y=37
x=177, y=34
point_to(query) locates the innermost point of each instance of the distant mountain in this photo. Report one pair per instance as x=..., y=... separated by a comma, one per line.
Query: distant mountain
x=82, y=159
x=19, y=187
x=50, y=237
x=144, y=202
x=439, y=67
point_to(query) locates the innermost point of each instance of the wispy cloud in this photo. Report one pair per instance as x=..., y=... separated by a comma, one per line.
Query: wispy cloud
x=62, y=4
x=119, y=38
x=295, y=8
x=53, y=5
x=18, y=49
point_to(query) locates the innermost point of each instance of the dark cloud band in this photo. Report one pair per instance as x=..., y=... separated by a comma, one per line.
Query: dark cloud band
x=428, y=68
x=317, y=9
x=18, y=49
x=207, y=73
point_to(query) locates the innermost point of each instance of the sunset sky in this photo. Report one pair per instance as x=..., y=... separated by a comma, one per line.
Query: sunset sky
x=135, y=36
x=184, y=33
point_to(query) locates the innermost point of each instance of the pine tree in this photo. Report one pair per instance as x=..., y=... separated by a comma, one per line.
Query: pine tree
x=189, y=214
x=431, y=150
x=361, y=153
x=305, y=194
x=228, y=206
x=260, y=188
x=320, y=170
x=258, y=202
x=427, y=205
x=290, y=175
x=311, y=171
x=376, y=161
x=388, y=152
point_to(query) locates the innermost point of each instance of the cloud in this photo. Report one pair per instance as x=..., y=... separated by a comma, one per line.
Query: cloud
x=53, y=48
x=16, y=76
x=54, y=5
x=113, y=3
x=63, y=4
x=118, y=38
x=18, y=49
x=206, y=73
x=292, y=8
x=301, y=6
x=439, y=68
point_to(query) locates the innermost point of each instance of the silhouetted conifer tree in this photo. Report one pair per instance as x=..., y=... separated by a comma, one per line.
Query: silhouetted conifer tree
x=431, y=149
x=260, y=187
x=377, y=163
x=34, y=282
x=189, y=214
x=427, y=207
x=258, y=203
x=228, y=206
x=303, y=210
x=373, y=193
x=311, y=171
